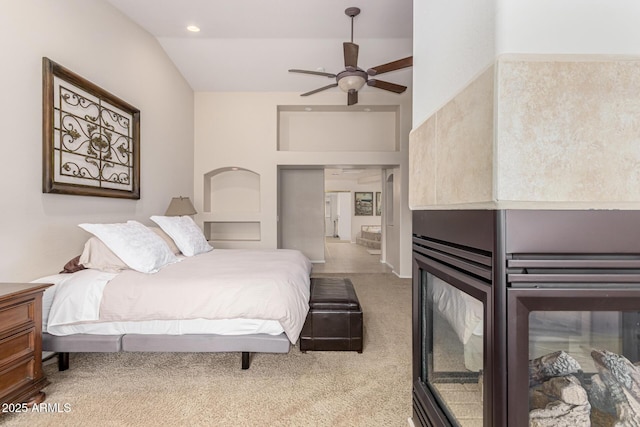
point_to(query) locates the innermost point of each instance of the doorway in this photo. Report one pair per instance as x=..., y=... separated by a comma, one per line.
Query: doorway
x=317, y=215
x=353, y=220
x=338, y=215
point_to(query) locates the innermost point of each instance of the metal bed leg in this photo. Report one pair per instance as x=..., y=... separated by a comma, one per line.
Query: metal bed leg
x=245, y=359
x=63, y=361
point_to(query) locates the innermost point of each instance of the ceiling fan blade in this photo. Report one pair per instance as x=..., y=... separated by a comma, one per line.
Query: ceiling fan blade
x=352, y=97
x=319, y=89
x=392, y=87
x=391, y=66
x=317, y=73
x=350, y=55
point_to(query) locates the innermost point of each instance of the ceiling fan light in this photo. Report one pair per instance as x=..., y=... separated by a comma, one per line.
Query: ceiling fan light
x=351, y=82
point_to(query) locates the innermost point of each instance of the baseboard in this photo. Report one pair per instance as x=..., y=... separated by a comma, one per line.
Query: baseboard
x=410, y=421
x=400, y=276
x=321, y=261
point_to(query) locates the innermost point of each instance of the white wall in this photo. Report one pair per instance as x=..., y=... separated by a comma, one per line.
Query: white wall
x=345, y=210
x=453, y=41
x=38, y=232
x=394, y=192
x=568, y=26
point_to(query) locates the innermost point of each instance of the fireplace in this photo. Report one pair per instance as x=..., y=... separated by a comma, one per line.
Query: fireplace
x=525, y=317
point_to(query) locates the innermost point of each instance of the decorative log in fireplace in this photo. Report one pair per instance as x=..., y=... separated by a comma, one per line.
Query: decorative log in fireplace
x=520, y=306
x=559, y=394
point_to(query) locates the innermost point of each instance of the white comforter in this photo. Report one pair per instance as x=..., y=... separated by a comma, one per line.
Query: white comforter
x=221, y=284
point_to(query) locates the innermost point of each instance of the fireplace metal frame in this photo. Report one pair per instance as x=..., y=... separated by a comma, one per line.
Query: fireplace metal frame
x=521, y=302
x=457, y=247
x=478, y=289
x=547, y=259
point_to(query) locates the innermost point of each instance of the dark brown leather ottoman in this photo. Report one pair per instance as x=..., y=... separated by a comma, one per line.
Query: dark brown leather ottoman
x=334, y=321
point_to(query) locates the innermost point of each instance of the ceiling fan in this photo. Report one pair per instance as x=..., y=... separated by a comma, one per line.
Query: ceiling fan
x=353, y=78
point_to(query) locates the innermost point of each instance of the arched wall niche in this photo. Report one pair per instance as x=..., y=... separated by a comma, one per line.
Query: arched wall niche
x=231, y=190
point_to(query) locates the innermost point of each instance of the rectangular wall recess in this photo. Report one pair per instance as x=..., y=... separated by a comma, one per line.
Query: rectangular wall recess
x=230, y=231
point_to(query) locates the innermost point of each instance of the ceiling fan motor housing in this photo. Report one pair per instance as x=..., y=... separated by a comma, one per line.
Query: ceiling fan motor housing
x=352, y=11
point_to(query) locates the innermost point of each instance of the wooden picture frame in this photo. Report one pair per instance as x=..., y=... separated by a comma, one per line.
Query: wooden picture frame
x=363, y=203
x=90, y=138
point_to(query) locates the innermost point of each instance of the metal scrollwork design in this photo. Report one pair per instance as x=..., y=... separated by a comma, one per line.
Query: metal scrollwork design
x=95, y=134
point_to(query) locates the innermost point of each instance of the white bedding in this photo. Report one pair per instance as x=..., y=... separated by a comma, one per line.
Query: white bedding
x=464, y=313
x=77, y=299
x=47, y=297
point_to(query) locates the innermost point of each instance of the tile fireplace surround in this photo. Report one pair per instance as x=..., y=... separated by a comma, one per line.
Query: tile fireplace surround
x=533, y=132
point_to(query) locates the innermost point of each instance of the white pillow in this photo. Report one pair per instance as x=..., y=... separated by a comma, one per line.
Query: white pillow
x=98, y=256
x=185, y=233
x=136, y=245
x=168, y=240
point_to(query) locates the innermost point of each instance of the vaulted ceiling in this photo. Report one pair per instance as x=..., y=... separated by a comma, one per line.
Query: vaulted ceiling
x=248, y=45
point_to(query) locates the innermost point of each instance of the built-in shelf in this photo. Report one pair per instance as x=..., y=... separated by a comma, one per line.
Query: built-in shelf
x=338, y=128
x=232, y=230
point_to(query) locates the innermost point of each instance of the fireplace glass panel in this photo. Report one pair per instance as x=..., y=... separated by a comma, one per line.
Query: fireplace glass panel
x=581, y=368
x=453, y=345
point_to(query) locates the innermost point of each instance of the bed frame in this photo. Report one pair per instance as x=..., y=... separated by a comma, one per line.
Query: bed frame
x=193, y=343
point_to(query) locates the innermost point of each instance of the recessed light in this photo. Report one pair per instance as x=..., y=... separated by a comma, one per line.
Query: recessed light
x=367, y=109
x=193, y=28
x=308, y=108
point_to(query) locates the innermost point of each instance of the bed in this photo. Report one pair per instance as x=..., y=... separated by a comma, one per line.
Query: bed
x=211, y=300
x=465, y=315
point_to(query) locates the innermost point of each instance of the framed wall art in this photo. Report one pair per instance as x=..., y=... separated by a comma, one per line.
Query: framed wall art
x=363, y=203
x=378, y=203
x=91, y=138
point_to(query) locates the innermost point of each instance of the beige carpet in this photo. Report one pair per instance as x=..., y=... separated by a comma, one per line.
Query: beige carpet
x=295, y=389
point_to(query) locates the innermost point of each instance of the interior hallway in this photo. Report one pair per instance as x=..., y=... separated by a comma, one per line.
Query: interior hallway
x=342, y=256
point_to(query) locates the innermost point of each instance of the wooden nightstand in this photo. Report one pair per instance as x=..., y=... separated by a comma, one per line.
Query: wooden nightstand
x=21, y=375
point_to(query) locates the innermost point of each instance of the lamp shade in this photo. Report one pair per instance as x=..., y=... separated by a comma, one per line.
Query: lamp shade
x=180, y=206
